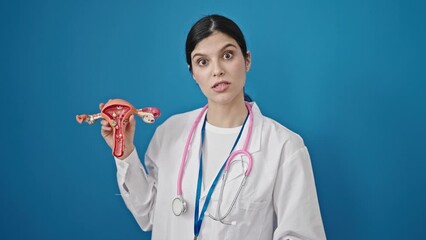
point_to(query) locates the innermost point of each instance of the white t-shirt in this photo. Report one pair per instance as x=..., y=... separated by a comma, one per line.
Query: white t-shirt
x=218, y=143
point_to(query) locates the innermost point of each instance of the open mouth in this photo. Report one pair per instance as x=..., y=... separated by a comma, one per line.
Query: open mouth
x=221, y=86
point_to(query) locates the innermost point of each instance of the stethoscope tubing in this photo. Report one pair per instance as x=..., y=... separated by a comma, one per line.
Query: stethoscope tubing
x=240, y=152
x=185, y=152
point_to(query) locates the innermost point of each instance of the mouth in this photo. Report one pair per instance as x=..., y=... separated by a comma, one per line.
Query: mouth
x=221, y=86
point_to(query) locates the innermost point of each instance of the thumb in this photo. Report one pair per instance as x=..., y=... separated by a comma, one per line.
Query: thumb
x=132, y=123
x=101, y=105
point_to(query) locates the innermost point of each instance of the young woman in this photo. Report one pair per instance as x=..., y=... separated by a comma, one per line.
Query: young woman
x=193, y=188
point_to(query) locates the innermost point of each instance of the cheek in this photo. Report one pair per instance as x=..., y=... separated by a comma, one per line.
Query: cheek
x=238, y=69
x=200, y=76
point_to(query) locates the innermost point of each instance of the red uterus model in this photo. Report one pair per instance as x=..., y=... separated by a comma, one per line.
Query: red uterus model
x=117, y=112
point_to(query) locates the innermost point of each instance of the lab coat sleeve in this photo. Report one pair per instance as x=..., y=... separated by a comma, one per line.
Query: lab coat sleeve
x=295, y=200
x=138, y=188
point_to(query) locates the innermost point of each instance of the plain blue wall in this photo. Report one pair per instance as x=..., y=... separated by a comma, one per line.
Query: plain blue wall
x=349, y=76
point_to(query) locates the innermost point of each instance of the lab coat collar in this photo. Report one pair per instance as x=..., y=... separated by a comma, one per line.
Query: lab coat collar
x=255, y=140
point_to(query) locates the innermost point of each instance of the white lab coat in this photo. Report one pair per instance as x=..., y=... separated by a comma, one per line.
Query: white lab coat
x=278, y=201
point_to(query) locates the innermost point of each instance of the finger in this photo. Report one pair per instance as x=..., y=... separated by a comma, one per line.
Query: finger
x=101, y=105
x=104, y=122
x=132, y=122
x=106, y=128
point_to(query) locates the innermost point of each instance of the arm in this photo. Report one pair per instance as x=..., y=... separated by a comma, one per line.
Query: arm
x=295, y=200
x=137, y=187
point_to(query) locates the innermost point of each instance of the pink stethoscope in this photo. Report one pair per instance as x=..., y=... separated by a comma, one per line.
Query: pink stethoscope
x=179, y=205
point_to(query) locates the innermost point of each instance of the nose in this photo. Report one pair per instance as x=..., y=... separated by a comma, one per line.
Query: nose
x=218, y=70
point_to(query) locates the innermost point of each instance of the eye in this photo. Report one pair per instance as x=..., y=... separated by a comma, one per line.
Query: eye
x=202, y=62
x=227, y=55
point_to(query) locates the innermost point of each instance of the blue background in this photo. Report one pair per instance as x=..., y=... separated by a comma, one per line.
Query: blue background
x=349, y=76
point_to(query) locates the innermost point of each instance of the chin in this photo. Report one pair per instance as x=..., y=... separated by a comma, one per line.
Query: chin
x=225, y=99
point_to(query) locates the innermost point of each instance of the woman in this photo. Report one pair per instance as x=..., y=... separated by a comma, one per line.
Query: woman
x=277, y=200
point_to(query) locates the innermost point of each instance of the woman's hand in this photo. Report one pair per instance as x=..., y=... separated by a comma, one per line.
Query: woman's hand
x=107, y=134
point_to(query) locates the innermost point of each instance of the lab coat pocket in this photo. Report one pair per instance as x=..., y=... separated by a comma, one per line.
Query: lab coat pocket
x=247, y=219
x=245, y=213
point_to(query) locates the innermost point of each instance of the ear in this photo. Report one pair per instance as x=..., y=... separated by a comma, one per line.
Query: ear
x=189, y=68
x=248, y=61
x=193, y=77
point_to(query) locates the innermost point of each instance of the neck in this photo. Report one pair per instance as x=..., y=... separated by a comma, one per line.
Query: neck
x=227, y=115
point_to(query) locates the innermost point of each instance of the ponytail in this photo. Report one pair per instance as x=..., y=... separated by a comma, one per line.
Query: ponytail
x=247, y=98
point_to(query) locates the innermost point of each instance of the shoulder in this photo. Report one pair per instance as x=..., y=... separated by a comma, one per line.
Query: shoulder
x=275, y=132
x=177, y=124
x=282, y=133
x=181, y=119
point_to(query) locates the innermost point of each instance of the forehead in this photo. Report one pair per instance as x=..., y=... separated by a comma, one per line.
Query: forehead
x=215, y=42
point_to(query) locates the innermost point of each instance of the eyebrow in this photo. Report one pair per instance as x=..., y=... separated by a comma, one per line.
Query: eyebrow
x=224, y=47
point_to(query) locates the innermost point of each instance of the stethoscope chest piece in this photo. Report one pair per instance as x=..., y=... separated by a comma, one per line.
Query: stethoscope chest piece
x=179, y=206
